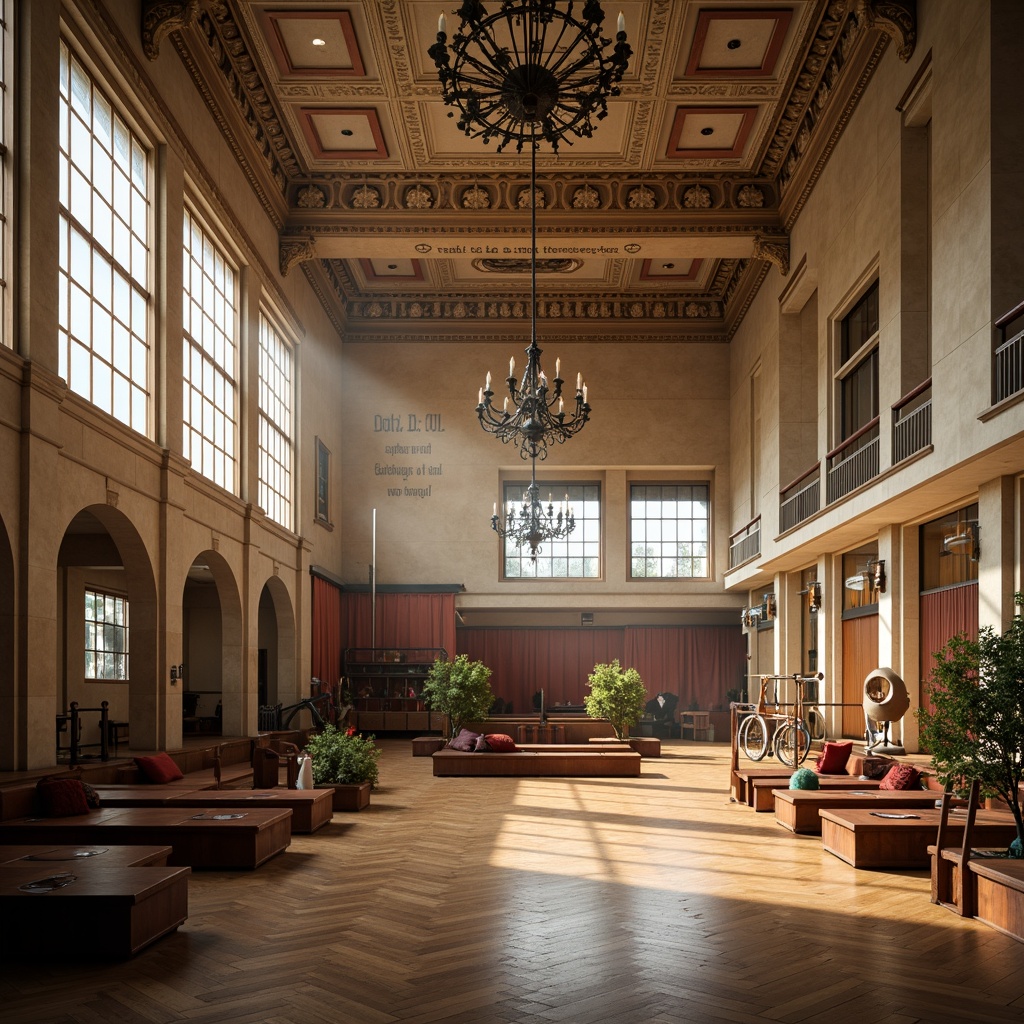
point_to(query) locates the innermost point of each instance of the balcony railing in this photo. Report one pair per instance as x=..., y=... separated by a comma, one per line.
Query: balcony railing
x=912, y=422
x=745, y=544
x=853, y=463
x=800, y=499
x=1008, y=359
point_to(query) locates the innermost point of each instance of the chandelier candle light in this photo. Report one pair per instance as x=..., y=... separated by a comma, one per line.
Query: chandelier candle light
x=532, y=523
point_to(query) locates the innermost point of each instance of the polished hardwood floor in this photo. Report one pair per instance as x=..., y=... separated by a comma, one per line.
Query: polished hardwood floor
x=653, y=900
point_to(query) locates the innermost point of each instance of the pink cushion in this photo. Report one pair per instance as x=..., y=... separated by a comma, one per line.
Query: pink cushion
x=61, y=798
x=500, y=743
x=466, y=740
x=900, y=776
x=159, y=768
x=834, y=756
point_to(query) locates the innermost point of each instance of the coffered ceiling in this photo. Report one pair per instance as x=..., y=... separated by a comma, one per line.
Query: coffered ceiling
x=658, y=228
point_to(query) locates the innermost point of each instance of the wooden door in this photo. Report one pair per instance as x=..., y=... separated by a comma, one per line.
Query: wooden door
x=860, y=656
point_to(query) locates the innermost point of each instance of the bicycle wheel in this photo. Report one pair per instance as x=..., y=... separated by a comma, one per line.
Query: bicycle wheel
x=784, y=741
x=753, y=737
x=816, y=725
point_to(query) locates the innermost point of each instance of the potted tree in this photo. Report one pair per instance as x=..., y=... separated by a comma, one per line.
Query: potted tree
x=345, y=762
x=460, y=689
x=975, y=725
x=616, y=694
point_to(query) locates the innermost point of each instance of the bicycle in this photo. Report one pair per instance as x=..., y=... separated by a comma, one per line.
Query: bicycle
x=790, y=741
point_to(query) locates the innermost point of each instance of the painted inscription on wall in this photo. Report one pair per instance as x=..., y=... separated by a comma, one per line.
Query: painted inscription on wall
x=408, y=467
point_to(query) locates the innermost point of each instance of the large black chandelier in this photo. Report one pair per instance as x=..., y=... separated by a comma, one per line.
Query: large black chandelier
x=529, y=70
x=532, y=522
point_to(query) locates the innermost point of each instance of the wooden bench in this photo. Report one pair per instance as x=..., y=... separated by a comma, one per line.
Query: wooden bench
x=861, y=838
x=199, y=840
x=799, y=809
x=645, y=746
x=104, y=911
x=762, y=790
x=553, y=762
x=311, y=808
x=1000, y=894
x=121, y=856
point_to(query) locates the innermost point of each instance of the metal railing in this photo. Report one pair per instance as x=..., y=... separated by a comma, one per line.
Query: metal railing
x=745, y=544
x=1008, y=358
x=912, y=422
x=853, y=463
x=801, y=499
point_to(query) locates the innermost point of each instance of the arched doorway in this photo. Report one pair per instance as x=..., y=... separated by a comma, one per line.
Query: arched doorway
x=277, y=682
x=212, y=644
x=107, y=629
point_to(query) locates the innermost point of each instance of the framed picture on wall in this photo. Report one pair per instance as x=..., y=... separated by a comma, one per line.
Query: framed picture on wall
x=323, y=484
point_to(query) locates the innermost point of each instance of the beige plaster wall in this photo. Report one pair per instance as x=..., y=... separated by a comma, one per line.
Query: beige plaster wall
x=658, y=412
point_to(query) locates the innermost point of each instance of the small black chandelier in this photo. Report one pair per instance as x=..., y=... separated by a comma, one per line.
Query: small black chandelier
x=529, y=70
x=533, y=523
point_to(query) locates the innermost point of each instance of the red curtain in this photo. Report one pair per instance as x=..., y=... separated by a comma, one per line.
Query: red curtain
x=944, y=613
x=557, y=661
x=326, y=659
x=697, y=663
x=426, y=621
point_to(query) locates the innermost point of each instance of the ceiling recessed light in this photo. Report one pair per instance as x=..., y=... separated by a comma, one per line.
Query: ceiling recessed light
x=733, y=44
x=668, y=266
x=346, y=132
x=392, y=266
x=323, y=42
x=707, y=131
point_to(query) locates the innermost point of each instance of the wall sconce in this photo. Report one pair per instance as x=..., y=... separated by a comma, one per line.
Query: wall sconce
x=871, y=574
x=177, y=672
x=768, y=603
x=750, y=617
x=814, y=597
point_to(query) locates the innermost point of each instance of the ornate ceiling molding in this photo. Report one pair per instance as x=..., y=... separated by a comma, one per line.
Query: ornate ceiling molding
x=896, y=18
x=161, y=17
x=294, y=251
x=774, y=250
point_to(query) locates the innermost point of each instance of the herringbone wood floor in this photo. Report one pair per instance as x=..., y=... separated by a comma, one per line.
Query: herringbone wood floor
x=650, y=900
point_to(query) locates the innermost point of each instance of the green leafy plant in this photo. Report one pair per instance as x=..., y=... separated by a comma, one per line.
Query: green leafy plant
x=460, y=689
x=340, y=757
x=975, y=726
x=616, y=694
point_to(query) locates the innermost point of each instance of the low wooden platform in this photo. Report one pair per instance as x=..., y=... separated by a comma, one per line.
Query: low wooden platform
x=645, y=746
x=199, y=840
x=311, y=808
x=105, y=911
x=1000, y=894
x=554, y=762
x=762, y=791
x=64, y=858
x=799, y=809
x=861, y=838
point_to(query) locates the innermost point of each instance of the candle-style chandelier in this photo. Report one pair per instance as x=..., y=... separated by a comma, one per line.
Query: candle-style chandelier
x=529, y=69
x=533, y=523
x=530, y=72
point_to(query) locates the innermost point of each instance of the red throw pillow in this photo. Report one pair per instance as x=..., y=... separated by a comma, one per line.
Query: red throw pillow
x=834, y=757
x=61, y=798
x=500, y=743
x=159, y=768
x=900, y=776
